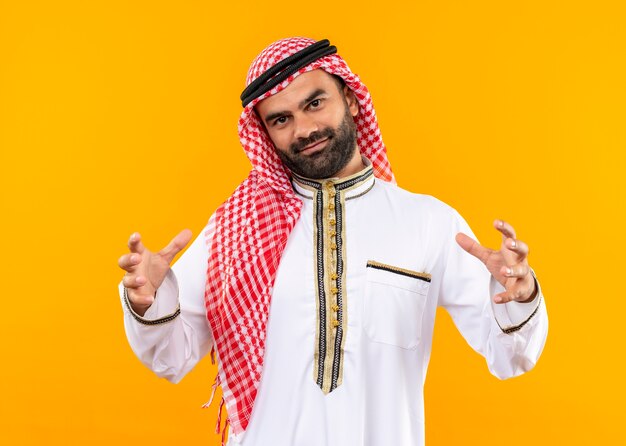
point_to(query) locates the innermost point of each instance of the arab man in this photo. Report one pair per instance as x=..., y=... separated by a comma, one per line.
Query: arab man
x=317, y=282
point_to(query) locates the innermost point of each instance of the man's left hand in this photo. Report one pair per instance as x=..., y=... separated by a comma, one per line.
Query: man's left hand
x=508, y=265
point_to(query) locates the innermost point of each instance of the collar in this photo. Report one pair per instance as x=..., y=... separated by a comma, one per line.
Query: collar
x=354, y=186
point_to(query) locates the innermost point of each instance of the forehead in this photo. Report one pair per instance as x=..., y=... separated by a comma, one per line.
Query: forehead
x=297, y=90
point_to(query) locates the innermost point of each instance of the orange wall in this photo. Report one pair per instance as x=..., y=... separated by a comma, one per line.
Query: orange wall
x=120, y=116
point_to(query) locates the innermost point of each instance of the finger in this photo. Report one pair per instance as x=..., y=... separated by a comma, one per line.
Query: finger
x=134, y=243
x=521, y=291
x=133, y=281
x=129, y=262
x=515, y=271
x=473, y=247
x=505, y=228
x=518, y=247
x=501, y=298
x=140, y=301
x=176, y=245
x=508, y=296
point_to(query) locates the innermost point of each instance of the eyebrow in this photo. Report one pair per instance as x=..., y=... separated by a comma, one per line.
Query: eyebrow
x=309, y=98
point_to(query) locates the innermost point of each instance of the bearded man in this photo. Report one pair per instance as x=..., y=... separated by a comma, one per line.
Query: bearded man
x=317, y=281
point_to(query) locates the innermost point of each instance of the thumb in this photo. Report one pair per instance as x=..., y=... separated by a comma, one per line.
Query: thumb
x=177, y=244
x=472, y=246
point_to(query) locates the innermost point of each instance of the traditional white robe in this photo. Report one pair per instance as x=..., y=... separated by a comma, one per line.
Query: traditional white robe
x=351, y=317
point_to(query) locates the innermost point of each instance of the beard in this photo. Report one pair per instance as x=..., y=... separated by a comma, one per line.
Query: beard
x=331, y=159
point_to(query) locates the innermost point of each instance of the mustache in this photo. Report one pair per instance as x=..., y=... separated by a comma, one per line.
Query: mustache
x=314, y=137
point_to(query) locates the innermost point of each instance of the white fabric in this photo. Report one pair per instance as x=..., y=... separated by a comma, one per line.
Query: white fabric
x=390, y=324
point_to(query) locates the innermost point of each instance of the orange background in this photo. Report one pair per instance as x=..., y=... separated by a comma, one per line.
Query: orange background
x=120, y=116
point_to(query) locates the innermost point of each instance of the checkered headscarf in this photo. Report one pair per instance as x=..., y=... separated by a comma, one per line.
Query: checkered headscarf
x=251, y=229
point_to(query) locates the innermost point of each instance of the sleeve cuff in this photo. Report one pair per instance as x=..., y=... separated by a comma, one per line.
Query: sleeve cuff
x=166, y=305
x=512, y=316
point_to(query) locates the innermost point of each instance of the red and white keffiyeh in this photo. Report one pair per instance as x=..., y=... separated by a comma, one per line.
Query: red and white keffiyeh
x=251, y=231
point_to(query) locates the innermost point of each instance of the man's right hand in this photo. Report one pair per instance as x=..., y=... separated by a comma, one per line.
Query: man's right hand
x=146, y=270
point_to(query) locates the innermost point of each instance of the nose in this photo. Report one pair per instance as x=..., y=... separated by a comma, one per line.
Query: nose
x=304, y=125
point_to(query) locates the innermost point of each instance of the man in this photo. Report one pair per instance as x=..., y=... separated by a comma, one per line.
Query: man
x=317, y=282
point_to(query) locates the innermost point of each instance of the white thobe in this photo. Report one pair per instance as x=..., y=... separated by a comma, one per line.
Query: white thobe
x=400, y=261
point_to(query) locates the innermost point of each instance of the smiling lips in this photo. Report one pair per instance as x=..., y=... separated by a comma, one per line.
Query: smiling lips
x=314, y=147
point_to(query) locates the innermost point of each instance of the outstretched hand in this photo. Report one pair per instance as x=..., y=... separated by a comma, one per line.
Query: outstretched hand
x=146, y=270
x=508, y=265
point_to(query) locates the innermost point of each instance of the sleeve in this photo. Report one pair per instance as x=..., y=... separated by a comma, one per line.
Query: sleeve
x=174, y=334
x=509, y=336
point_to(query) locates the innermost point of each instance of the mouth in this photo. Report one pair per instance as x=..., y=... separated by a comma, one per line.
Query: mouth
x=319, y=145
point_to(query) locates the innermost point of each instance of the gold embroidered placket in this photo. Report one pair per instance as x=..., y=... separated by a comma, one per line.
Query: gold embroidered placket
x=329, y=200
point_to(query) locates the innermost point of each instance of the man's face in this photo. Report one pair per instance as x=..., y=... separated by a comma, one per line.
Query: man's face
x=311, y=124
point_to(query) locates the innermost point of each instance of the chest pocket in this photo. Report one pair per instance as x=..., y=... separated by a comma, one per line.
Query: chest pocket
x=395, y=299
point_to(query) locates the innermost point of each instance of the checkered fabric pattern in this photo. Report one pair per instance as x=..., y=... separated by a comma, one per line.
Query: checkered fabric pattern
x=251, y=231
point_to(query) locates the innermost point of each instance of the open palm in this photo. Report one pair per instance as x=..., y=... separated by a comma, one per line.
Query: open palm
x=508, y=265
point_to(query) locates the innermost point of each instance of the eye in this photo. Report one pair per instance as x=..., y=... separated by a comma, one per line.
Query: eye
x=315, y=103
x=281, y=120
